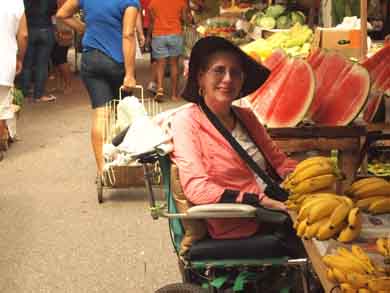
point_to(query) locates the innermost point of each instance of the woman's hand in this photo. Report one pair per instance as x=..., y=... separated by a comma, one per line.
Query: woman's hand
x=129, y=82
x=273, y=204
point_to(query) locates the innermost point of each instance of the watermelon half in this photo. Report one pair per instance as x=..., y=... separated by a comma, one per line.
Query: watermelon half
x=341, y=89
x=275, y=59
x=283, y=100
x=373, y=105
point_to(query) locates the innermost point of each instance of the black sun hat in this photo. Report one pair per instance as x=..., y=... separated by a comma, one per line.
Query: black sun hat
x=255, y=73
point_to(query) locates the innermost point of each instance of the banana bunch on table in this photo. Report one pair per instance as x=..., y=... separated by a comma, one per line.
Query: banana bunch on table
x=311, y=175
x=327, y=215
x=371, y=194
x=354, y=271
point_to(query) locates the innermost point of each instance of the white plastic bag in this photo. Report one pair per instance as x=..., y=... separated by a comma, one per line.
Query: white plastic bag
x=128, y=110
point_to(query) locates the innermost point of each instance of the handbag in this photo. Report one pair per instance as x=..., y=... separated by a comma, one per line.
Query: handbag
x=273, y=190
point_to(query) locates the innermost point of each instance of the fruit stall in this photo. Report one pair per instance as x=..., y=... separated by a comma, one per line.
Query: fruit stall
x=330, y=99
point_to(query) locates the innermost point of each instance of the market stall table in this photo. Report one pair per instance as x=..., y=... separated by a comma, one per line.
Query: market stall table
x=345, y=139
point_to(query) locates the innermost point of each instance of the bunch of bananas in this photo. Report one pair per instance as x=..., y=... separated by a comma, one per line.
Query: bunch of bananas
x=355, y=272
x=326, y=215
x=372, y=194
x=311, y=175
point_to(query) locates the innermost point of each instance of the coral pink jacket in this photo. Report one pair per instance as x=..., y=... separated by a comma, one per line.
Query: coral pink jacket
x=208, y=165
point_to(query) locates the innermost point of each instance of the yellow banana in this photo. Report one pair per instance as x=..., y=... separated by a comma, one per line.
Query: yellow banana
x=362, y=182
x=347, y=288
x=310, y=162
x=325, y=232
x=358, y=280
x=330, y=275
x=301, y=228
x=373, y=189
x=337, y=261
x=339, y=214
x=313, y=171
x=349, y=234
x=347, y=200
x=322, y=210
x=378, y=284
x=380, y=206
x=365, y=202
x=354, y=217
x=315, y=183
x=364, y=290
x=339, y=275
x=306, y=207
x=311, y=230
x=360, y=254
x=382, y=247
x=349, y=256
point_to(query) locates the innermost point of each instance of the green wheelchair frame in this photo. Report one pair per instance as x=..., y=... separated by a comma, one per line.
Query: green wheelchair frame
x=213, y=276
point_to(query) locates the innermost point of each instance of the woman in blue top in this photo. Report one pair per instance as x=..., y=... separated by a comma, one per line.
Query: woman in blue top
x=108, y=59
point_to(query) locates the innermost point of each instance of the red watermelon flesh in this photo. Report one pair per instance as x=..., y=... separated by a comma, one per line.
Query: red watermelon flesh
x=315, y=58
x=383, y=76
x=345, y=98
x=262, y=98
x=283, y=100
x=294, y=98
x=277, y=57
x=327, y=73
x=375, y=59
x=372, y=107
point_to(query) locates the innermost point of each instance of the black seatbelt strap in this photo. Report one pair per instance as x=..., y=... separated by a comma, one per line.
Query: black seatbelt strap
x=273, y=189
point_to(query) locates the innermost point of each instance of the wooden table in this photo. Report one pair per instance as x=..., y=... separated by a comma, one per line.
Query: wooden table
x=345, y=139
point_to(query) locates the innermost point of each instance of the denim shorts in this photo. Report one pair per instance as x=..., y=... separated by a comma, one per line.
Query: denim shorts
x=167, y=46
x=102, y=76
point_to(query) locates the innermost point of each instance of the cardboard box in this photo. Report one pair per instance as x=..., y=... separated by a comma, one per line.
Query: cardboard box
x=347, y=42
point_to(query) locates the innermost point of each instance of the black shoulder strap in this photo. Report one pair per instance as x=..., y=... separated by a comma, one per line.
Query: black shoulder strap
x=273, y=190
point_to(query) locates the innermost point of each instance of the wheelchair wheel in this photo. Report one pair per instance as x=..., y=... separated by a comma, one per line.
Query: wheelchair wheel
x=181, y=288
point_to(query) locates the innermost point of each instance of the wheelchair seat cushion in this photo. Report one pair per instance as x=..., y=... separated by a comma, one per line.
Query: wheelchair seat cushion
x=259, y=246
x=194, y=229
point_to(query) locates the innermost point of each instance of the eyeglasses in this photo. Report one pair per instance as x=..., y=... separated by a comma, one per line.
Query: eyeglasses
x=219, y=72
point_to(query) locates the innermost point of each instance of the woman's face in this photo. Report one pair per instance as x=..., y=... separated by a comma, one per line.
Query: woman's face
x=223, y=78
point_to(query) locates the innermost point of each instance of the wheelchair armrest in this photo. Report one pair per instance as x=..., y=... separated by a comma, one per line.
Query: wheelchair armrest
x=221, y=210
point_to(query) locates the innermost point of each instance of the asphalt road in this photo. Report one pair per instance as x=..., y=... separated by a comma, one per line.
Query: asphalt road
x=54, y=236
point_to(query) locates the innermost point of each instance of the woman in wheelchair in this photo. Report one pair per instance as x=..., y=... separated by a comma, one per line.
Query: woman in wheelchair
x=210, y=170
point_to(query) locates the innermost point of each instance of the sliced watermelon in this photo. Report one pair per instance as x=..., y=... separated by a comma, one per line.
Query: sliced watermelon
x=345, y=98
x=372, y=107
x=331, y=68
x=283, y=100
x=375, y=59
x=277, y=57
x=315, y=58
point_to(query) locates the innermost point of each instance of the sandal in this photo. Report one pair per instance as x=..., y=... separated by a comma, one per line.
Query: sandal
x=159, y=95
x=49, y=98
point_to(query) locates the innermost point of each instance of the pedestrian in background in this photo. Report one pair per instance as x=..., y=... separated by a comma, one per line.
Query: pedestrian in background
x=59, y=56
x=14, y=36
x=166, y=35
x=108, y=58
x=40, y=44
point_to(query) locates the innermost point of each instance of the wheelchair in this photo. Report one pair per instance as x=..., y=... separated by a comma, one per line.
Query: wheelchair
x=207, y=266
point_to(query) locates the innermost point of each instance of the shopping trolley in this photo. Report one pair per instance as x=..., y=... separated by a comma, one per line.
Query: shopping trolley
x=124, y=175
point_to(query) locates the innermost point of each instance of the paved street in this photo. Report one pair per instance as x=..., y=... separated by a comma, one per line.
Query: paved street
x=54, y=236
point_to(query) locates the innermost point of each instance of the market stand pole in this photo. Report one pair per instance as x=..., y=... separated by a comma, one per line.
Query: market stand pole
x=363, y=28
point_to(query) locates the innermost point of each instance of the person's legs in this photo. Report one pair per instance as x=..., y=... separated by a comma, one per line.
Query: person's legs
x=160, y=53
x=5, y=113
x=28, y=62
x=44, y=47
x=100, y=75
x=175, y=47
x=65, y=74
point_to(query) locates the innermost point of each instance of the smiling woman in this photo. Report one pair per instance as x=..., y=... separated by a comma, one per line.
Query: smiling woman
x=210, y=169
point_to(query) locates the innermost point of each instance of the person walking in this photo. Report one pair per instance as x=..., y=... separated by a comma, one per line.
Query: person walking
x=13, y=35
x=59, y=55
x=40, y=43
x=108, y=57
x=165, y=33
